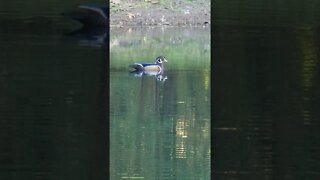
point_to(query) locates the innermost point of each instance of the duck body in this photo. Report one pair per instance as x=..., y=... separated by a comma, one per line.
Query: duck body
x=149, y=68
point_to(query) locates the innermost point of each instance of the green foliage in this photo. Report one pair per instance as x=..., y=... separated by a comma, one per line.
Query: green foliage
x=154, y=125
x=184, y=48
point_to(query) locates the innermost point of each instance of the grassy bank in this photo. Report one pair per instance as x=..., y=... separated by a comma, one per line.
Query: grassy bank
x=159, y=12
x=185, y=49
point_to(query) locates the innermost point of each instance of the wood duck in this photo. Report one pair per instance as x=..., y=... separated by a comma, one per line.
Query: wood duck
x=93, y=16
x=149, y=68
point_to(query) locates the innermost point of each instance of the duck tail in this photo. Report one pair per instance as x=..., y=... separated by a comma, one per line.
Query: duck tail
x=137, y=66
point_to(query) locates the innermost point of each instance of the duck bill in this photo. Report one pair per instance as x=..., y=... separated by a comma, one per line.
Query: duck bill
x=165, y=60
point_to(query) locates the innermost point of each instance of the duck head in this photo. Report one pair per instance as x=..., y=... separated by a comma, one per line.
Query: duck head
x=160, y=60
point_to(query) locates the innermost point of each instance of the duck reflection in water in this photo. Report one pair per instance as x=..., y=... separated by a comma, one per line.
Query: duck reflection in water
x=94, y=19
x=150, y=69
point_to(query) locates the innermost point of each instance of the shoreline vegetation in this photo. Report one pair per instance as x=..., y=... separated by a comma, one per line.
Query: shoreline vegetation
x=185, y=48
x=180, y=13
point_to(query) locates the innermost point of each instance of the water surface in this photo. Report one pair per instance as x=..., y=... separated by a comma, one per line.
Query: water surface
x=265, y=95
x=160, y=129
x=53, y=96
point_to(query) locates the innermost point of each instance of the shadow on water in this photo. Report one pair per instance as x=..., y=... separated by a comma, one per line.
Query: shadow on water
x=53, y=118
x=96, y=37
x=265, y=95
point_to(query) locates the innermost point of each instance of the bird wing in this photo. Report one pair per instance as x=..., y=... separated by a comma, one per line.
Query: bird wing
x=137, y=66
x=94, y=8
x=146, y=64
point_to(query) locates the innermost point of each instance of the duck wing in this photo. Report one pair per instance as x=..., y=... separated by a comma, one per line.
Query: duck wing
x=94, y=16
x=96, y=8
x=137, y=66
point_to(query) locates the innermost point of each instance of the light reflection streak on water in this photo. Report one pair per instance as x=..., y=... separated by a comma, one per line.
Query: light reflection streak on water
x=181, y=135
x=309, y=68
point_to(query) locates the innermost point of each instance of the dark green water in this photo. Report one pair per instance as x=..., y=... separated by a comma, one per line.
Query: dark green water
x=53, y=91
x=160, y=129
x=53, y=117
x=53, y=96
x=266, y=90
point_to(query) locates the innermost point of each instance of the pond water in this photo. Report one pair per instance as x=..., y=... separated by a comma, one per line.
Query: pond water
x=266, y=90
x=53, y=95
x=160, y=128
x=53, y=91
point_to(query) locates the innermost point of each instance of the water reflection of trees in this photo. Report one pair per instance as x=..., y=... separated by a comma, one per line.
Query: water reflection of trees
x=166, y=133
x=265, y=114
